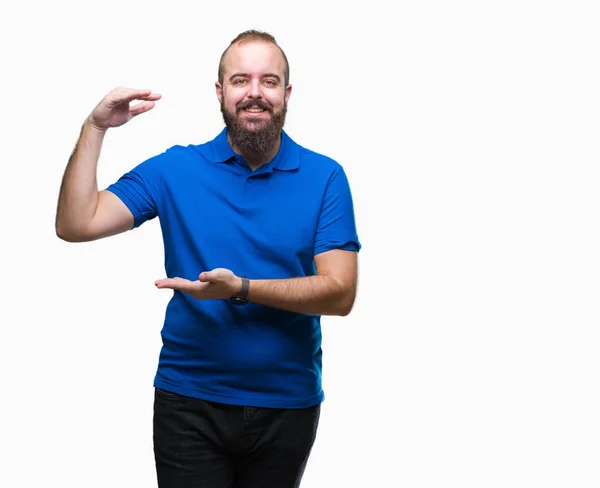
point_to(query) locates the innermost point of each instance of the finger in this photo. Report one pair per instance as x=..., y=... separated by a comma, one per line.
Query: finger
x=173, y=283
x=125, y=95
x=140, y=108
x=152, y=97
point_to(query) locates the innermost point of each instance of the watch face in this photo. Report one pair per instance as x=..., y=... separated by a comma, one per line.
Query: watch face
x=238, y=301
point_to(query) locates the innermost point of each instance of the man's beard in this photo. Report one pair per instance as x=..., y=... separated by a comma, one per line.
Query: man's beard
x=264, y=134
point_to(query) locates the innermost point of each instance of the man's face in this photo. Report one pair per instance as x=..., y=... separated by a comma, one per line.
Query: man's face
x=253, y=96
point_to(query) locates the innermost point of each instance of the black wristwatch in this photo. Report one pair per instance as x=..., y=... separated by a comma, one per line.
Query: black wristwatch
x=242, y=297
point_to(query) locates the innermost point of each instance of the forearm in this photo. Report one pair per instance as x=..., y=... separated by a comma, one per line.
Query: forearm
x=315, y=295
x=78, y=198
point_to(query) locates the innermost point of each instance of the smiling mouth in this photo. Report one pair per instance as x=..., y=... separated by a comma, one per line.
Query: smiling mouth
x=254, y=107
x=255, y=113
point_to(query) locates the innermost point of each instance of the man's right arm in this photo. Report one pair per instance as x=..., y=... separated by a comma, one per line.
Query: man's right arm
x=83, y=213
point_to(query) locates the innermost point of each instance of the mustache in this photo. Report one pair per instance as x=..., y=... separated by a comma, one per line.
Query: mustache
x=254, y=103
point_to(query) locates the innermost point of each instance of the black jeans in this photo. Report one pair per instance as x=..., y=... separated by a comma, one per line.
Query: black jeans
x=201, y=444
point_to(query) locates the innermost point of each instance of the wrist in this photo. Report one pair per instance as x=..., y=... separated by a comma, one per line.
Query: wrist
x=237, y=287
x=90, y=125
x=240, y=296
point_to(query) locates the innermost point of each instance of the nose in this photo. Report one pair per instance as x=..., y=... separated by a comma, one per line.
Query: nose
x=254, y=90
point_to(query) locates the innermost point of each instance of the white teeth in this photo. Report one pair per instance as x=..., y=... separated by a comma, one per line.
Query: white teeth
x=254, y=110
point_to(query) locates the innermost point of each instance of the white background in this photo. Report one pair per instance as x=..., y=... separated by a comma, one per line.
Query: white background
x=469, y=133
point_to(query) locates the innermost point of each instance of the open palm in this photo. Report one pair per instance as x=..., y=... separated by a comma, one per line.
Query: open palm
x=218, y=284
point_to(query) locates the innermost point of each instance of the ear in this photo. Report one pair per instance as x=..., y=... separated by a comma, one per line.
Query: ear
x=288, y=92
x=219, y=90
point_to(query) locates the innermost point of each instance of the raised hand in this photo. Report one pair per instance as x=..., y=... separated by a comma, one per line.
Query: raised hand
x=115, y=110
x=218, y=284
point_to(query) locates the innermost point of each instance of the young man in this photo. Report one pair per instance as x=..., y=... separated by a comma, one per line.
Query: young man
x=260, y=241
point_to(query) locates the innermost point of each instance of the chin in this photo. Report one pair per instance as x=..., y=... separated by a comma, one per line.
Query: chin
x=253, y=124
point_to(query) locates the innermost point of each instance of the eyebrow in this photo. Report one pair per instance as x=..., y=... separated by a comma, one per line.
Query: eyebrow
x=246, y=75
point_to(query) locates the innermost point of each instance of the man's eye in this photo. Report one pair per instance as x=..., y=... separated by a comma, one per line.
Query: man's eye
x=239, y=82
x=270, y=82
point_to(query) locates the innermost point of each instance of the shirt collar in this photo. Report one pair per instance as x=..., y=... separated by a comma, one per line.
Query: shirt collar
x=222, y=151
x=286, y=159
x=288, y=156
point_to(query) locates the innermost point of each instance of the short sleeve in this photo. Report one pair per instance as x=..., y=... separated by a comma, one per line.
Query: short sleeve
x=136, y=191
x=336, y=228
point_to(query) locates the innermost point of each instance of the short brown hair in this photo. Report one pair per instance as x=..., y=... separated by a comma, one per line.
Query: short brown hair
x=255, y=35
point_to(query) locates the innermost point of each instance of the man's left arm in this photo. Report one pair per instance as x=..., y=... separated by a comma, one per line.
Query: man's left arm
x=330, y=292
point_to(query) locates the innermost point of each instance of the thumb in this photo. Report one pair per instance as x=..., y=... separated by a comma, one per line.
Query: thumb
x=207, y=276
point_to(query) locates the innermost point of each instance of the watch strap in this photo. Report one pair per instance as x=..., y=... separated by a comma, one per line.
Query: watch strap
x=245, y=288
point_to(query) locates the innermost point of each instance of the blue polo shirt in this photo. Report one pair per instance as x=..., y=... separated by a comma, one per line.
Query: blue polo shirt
x=215, y=212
